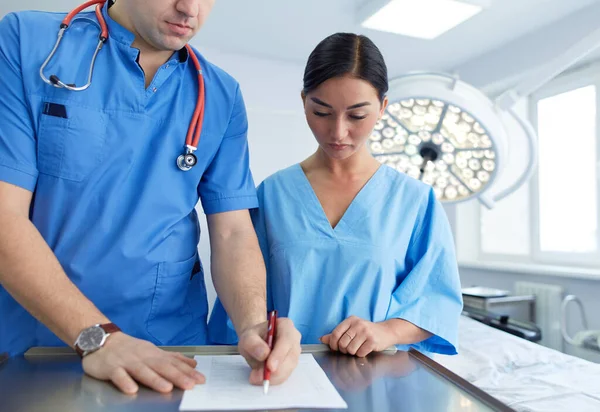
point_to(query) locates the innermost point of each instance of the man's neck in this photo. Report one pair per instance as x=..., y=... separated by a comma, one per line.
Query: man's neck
x=150, y=59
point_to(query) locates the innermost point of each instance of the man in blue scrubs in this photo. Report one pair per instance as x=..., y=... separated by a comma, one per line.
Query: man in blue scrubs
x=99, y=232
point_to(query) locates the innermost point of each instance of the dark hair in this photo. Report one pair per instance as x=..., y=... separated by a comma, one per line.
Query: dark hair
x=344, y=54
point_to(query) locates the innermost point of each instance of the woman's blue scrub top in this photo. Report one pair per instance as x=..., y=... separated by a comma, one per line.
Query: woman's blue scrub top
x=108, y=197
x=390, y=256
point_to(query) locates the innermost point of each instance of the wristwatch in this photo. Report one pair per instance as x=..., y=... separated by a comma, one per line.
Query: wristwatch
x=93, y=338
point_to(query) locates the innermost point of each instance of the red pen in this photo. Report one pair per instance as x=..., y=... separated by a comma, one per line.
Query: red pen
x=270, y=340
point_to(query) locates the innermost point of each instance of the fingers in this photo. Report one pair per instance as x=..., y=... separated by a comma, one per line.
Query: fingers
x=286, y=368
x=188, y=366
x=256, y=376
x=338, y=333
x=289, y=362
x=366, y=348
x=325, y=339
x=254, y=349
x=177, y=373
x=286, y=341
x=191, y=362
x=353, y=336
x=127, y=361
x=161, y=373
x=145, y=375
x=345, y=340
x=281, y=360
x=183, y=363
x=355, y=344
x=121, y=379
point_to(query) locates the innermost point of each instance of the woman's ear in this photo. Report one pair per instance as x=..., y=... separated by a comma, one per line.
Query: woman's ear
x=303, y=97
x=383, y=107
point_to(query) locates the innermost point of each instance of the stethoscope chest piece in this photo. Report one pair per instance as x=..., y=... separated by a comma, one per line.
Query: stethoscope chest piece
x=187, y=160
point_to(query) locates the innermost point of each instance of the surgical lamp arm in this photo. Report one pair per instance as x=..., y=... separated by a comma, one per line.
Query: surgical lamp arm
x=531, y=136
x=537, y=78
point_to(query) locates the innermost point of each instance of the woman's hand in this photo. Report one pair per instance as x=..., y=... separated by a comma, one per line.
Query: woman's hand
x=356, y=336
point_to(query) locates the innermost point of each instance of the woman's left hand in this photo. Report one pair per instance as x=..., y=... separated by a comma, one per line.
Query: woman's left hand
x=356, y=336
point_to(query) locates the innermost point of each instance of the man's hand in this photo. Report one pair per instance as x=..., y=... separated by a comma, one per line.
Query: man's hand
x=282, y=360
x=125, y=360
x=356, y=336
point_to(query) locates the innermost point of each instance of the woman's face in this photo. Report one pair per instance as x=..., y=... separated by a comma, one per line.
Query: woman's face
x=342, y=113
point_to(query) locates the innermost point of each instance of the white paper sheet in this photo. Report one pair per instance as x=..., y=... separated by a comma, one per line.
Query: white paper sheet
x=227, y=387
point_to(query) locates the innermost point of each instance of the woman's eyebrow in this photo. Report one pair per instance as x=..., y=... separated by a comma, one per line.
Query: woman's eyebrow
x=354, y=106
x=321, y=102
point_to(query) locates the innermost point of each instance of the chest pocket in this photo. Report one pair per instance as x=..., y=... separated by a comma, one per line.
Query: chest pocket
x=71, y=145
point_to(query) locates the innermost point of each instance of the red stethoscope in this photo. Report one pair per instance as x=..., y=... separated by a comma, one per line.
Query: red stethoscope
x=185, y=161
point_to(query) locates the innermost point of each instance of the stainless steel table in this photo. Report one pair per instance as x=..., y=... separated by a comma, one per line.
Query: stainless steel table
x=51, y=379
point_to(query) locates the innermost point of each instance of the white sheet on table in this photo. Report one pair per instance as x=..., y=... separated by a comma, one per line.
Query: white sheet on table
x=524, y=375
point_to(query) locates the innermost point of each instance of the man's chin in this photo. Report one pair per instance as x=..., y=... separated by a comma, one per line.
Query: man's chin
x=176, y=45
x=172, y=43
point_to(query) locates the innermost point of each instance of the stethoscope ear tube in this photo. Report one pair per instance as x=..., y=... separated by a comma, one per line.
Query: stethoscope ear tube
x=64, y=26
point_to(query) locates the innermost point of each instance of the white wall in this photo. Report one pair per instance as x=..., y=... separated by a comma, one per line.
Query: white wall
x=278, y=134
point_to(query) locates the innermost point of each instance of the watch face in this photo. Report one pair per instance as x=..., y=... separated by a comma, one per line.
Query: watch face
x=91, y=338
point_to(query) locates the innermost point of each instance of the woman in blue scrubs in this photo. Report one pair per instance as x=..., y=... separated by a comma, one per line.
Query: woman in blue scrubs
x=359, y=255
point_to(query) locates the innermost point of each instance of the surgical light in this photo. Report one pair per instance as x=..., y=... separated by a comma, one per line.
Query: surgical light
x=450, y=135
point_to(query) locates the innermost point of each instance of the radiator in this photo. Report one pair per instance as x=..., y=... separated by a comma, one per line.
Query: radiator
x=548, y=299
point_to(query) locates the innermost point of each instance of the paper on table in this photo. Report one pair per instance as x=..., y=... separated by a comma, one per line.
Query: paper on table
x=227, y=387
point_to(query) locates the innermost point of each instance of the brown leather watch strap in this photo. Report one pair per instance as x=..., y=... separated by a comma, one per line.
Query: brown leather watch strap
x=110, y=328
x=79, y=351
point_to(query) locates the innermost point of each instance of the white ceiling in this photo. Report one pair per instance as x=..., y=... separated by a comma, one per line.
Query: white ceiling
x=290, y=29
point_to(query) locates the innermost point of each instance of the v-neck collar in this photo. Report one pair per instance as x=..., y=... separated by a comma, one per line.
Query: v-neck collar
x=356, y=209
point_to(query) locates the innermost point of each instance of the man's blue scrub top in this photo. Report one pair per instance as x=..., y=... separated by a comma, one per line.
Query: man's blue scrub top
x=108, y=197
